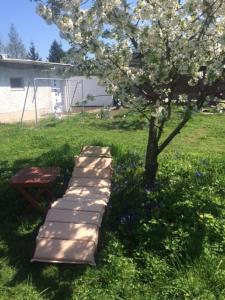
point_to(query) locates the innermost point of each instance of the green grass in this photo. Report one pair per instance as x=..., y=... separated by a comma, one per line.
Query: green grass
x=163, y=245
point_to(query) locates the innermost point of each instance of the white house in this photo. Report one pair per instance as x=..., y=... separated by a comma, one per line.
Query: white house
x=31, y=89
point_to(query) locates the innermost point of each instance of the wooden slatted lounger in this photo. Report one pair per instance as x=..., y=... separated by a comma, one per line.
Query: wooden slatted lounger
x=71, y=228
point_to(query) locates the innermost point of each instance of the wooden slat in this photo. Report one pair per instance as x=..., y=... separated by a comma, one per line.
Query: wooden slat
x=89, y=182
x=69, y=231
x=93, y=162
x=86, y=191
x=91, y=205
x=71, y=216
x=101, y=199
x=92, y=173
x=96, y=151
x=65, y=251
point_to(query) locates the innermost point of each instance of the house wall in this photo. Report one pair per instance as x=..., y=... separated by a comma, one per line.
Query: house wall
x=12, y=100
x=90, y=87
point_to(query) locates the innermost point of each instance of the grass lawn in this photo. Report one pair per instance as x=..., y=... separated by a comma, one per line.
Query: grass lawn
x=163, y=245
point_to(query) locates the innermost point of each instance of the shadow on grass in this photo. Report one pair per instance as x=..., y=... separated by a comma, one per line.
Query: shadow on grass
x=126, y=124
x=170, y=221
x=19, y=229
x=166, y=222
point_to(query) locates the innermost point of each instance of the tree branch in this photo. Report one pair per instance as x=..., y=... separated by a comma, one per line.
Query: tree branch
x=174, y=133
x=142, y=91
x=210, y=14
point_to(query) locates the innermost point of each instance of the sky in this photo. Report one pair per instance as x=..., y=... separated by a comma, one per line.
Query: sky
x=29, y=25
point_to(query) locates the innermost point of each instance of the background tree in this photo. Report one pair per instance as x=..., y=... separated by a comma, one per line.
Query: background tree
x=70, y=58
x=56, y=52
x=15, y=47
x=2, y=47
x=33, y=54
x=154, y=54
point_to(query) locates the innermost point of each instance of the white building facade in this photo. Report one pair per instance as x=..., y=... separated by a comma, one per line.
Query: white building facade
x=32, y=89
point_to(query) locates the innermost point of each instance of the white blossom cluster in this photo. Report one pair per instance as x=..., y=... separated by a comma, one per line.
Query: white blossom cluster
x=169, y=38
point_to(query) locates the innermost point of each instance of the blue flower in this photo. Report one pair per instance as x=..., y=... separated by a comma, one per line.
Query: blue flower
x=125, y=218
x=198, y=174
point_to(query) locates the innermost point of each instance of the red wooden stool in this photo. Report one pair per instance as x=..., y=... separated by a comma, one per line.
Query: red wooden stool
x=40, y=178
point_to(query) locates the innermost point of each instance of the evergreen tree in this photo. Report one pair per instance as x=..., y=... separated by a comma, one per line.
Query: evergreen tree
x=56, y=52
x=2, y=47
x=33, y=54
x=15, y=47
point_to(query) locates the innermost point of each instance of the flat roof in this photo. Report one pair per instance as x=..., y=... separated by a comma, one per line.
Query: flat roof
x=33, y=62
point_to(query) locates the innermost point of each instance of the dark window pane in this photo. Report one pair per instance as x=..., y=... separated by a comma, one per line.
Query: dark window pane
x=17, y=82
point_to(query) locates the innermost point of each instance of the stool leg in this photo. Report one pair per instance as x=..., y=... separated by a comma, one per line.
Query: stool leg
x=30, y=199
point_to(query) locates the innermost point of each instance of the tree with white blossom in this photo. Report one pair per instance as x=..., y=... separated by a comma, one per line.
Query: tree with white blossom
x=152, y=54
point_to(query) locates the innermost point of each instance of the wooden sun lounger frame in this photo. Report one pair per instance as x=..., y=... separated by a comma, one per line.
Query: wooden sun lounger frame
x=54, y=246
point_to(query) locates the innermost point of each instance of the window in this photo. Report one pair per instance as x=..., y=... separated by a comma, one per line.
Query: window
x=17, y=83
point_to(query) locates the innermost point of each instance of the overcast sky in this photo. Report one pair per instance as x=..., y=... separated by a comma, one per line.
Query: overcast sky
x=29, y=25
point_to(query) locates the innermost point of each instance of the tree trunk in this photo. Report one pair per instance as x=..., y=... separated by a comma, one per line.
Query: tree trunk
x=154, y=149
x=151, y=159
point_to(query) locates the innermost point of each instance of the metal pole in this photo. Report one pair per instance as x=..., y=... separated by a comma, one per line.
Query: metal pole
x=67, y=95
x=68, y=98
x=74, y=93
x=35, y=102
x=64, y=93
x=24, y=105
x=82, y=95
x=65, y=100
x=68, y=102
